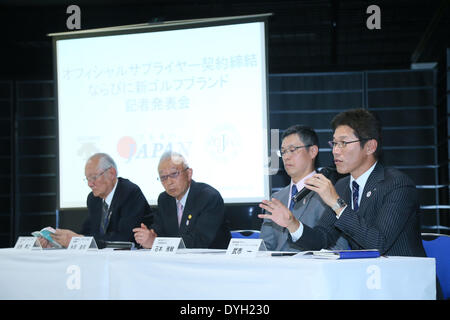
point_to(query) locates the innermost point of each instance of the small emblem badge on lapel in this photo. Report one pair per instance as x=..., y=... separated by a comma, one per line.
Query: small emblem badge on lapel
x=188, y=219
x=304, y=200
x=368, y=194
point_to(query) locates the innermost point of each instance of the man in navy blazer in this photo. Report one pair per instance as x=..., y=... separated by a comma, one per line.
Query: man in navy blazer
x=373, y=208
x=125, y=204
x=191, y=210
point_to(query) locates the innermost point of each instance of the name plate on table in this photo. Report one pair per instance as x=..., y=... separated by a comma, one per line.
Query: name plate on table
x=28, y=243
x=167, y=245
x=245, y=247
x=82, y=244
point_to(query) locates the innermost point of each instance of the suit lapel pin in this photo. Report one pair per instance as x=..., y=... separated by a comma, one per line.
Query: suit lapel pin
x=188, y=219
x=369, y=193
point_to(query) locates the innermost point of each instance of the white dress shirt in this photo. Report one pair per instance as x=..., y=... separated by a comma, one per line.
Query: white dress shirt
x=110, y=196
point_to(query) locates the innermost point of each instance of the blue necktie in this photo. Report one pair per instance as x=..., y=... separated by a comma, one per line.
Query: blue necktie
x=293, y=193
x=355, y=195
x=105, y=218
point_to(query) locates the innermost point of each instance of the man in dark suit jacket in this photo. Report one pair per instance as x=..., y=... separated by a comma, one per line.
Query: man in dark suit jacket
x=127, y=209
x=191, y=210
x=115, y=205
x=387, y=218
x=379, y=212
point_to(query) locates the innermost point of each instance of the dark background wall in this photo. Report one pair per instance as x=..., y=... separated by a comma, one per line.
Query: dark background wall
x=322, y=60
x=304, y=36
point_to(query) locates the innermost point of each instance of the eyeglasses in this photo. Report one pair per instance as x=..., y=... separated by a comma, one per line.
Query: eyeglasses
x=343, y=144
x=92, y=179
x=172, y=175
x=282, y=152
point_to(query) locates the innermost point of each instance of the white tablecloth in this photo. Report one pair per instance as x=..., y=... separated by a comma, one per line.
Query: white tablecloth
x=194, y=274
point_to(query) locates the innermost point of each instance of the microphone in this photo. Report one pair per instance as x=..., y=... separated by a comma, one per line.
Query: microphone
x=327, y=172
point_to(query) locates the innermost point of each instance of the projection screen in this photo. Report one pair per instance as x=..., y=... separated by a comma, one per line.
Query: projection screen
x=195, y=87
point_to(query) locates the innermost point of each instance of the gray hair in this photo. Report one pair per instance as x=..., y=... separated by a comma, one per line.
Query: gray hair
x=175, y=157
x=104, y=161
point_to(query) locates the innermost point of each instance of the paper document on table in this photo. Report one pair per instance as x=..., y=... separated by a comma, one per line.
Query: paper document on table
x=339, y=254
x=45, y=233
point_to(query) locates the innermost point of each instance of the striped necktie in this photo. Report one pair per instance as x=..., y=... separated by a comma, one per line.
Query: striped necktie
x=355, y=195
x=105, y=218
x=293, y=193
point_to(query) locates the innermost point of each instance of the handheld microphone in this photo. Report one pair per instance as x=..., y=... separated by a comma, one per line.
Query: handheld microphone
x=304, y=192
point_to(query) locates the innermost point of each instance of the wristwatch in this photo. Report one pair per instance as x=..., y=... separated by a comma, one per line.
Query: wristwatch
x=340, y=203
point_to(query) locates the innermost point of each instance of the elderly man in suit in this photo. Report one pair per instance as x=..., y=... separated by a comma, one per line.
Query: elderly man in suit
x=191, y=210
x=299, y=151
x=373, y=208
x=115, y=205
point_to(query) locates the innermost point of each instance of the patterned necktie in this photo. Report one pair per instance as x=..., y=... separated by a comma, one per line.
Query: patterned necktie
x=355, y=195
x=105, y=218
x=293, y=193
x=179, y=211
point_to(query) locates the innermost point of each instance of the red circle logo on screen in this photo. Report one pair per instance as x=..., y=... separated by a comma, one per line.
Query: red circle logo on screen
x=126, y=147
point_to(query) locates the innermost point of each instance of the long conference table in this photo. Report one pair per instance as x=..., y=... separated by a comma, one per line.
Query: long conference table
x=209, y=275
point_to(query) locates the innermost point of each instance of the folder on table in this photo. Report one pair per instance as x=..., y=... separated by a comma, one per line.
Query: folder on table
x=340, y=254
x=346, y=254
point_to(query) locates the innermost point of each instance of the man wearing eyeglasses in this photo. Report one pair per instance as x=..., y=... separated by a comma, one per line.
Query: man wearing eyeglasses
x=373, y=208
x=299, y=151
x=115, y=205
x=191, y=210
